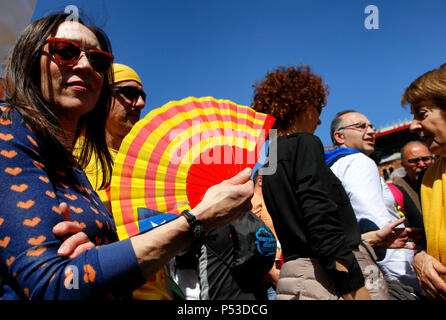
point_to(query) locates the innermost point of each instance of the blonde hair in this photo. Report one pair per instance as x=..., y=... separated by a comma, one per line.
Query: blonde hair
x=429, y=86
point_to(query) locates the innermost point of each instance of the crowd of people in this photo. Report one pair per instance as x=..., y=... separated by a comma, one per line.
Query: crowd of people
x=336, y=229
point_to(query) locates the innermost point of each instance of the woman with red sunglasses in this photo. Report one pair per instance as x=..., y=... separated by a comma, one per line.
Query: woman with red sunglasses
x=57, y=84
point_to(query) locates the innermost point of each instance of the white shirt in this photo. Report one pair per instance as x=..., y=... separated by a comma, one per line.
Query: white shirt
x=371, y=200
x=360, y=178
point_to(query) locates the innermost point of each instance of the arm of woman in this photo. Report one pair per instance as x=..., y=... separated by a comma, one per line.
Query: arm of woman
x=75, y=240
x=221, y=204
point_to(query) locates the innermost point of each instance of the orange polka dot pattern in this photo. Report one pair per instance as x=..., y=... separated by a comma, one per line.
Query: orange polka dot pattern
x=30, y=209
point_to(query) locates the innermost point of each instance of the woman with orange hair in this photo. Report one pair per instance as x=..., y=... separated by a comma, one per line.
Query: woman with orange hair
x=311, y=212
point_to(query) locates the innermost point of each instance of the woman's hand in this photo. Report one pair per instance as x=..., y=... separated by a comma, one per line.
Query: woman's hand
x=392, y=237
x=428, y=271
x=77, y=241
x=226, y=201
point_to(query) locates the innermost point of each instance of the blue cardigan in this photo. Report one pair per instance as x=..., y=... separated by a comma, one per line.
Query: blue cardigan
x=29, y=264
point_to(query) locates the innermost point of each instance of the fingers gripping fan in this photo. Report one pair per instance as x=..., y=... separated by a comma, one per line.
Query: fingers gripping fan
x=172, y=156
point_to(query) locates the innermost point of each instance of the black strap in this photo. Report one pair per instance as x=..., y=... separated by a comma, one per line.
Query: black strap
x=217, y=255
x=338, y=157
x=195, y=225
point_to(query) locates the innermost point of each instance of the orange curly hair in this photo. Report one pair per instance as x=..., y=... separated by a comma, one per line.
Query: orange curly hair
x=286, y=90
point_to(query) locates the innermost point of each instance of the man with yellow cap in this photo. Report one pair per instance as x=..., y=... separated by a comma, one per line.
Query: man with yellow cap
x=127, y=106
x=125, y=111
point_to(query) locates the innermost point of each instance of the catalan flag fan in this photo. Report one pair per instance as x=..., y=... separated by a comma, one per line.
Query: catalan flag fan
x=172, y=156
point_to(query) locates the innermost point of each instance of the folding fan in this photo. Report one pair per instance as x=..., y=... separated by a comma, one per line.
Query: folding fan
x=176, y=152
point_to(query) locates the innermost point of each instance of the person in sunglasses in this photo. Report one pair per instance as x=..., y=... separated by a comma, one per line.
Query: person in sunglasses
x=353, y=136
x=59, y=84
x=128, y=99
x=127, y=102
x=415, y=159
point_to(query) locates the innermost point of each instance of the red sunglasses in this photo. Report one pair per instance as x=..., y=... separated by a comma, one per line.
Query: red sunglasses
x=68, y=53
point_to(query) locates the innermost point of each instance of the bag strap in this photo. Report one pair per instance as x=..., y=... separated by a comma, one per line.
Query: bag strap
x=332, y=156
x=397, y=194
x=337, y=158
x=372, y=256
x=217, y=255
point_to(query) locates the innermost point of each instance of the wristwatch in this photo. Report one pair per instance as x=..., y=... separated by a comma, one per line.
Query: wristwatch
x=195, y=225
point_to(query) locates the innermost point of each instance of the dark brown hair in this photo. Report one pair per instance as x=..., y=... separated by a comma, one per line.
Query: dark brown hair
x=23, y=92
x=285, y=91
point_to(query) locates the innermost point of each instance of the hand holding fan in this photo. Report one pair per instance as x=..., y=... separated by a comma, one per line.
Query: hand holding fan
x=176, y=152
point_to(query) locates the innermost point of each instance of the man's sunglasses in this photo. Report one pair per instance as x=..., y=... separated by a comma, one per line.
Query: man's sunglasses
x=359, y=125
x=416, y=160
x=130, y=92
x=68, y=53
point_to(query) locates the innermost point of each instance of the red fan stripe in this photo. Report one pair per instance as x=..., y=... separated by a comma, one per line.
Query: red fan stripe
x=202, y=175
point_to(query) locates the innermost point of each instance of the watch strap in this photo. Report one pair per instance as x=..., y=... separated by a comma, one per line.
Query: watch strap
x=195, y=225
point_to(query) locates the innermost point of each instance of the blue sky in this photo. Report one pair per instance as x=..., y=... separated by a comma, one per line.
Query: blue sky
x=184, y=48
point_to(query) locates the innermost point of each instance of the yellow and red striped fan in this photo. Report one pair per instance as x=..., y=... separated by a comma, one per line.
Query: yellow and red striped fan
x=176, y=152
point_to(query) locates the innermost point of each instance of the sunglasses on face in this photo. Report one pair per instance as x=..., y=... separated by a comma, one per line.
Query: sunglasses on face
x=416, y=160
x=359, y=125
x=131, y=93
x=68, y=53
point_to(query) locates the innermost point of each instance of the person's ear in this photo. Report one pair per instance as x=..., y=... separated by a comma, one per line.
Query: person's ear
x=339, y=137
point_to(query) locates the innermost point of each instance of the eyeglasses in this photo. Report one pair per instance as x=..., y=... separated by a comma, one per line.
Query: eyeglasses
x=68, y=53
x=360, y=125
x=131, y=93
x=416, y=160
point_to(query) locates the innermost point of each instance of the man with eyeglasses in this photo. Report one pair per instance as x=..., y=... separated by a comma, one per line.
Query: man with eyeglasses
x=415, y=158
x=354, y=139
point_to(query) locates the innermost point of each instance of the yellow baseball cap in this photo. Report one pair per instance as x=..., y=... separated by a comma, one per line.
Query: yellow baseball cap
x=125, y=73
